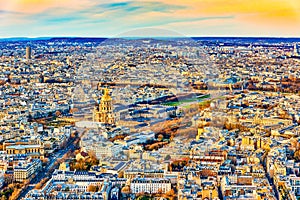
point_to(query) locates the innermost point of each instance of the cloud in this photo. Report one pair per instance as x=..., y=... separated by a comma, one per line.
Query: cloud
x=38, y=6
x=133, y=13
x=106, y=18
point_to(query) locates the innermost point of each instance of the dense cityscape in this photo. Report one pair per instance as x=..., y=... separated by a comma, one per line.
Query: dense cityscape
x=150, y=118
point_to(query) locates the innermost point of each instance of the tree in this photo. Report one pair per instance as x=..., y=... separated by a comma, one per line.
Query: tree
x=171, y=137
x=160, y=137
x=140, y=195
x=73, y=110
x=206, y=173
x=170, y=193
x=297, y=155
x=45, y=161
x=57, y=113
x=80, y=165
x=73, y=135
x=38, y=186
x=121, y=174
x=15, y=194
x=26, y=182
x=77, y=151
x=93, y=158
x=170, y=168
x=168, y=157
x=92, y=188
x=41, y=183
x=159, y=191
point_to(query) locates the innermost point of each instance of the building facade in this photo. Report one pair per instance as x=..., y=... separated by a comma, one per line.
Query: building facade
x=150, y=185
x=34, y=150
x=24, y=170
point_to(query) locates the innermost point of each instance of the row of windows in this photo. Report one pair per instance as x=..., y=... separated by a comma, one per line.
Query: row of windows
x=151, y=187
x=106, y=108
x=11, y=151
x=137, y=190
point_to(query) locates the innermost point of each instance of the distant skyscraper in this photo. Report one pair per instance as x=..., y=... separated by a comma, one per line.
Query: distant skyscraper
x=295, y=50
x=28, y=52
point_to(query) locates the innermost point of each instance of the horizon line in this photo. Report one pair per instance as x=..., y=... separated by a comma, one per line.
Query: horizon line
x=149, y=37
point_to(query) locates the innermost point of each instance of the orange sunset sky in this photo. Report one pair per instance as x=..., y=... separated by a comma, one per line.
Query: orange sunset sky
x=103, y=18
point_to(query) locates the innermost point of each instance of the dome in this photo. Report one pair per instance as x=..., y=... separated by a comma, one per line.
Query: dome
x=106, y=96
x=126, y=189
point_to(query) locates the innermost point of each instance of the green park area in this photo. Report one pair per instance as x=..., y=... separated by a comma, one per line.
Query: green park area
x=188, y=100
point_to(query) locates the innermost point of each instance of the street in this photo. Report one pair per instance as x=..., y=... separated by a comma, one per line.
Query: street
x=52, y=159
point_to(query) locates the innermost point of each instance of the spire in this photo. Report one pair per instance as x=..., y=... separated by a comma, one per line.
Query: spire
x=106, y=92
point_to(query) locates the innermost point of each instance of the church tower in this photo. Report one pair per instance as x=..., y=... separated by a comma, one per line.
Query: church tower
x=104, y=112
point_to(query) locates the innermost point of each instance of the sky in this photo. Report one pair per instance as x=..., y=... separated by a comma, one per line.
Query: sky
x=113, y=18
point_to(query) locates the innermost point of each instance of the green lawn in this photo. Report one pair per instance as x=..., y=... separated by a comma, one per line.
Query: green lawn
x=178, y=103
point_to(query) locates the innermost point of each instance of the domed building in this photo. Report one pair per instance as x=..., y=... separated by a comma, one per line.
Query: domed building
x=104, y=112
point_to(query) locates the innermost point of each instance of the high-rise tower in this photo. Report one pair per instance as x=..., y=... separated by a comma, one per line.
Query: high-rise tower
x=28, y=53
x=295, y=50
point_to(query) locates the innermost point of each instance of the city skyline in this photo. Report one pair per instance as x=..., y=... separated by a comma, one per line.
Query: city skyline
x=150, y=99
x=32, y=18
x=172, y=118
